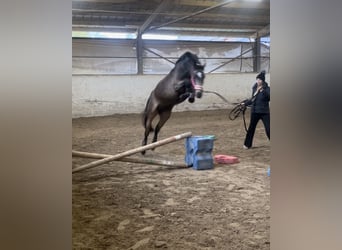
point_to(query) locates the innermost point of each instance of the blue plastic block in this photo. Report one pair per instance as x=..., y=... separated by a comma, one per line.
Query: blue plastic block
x=203, y=161
x=199, y=143
x=199, y=152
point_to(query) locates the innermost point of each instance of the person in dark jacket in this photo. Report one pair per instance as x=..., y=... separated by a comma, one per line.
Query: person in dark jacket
x=260, y=109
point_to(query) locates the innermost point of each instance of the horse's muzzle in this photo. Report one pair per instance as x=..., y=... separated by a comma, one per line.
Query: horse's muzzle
x=197, y=82
x=198, y=90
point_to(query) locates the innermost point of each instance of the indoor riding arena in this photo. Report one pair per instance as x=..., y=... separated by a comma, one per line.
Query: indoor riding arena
x=196, y=187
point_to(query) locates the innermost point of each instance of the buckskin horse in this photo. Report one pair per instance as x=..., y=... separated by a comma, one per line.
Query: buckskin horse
x=184, y=81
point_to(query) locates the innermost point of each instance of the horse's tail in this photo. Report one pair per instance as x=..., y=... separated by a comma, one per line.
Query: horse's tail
x=145, y=113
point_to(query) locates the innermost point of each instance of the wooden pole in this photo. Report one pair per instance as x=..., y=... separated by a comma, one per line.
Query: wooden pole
x=132, y=151
x=130, y=159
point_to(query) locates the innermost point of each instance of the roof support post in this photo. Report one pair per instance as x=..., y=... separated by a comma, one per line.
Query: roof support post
x=142, y=29
x=140, y=54
x=256, y=55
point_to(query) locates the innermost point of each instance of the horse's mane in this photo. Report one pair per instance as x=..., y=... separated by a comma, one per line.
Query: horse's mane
x=192, y=58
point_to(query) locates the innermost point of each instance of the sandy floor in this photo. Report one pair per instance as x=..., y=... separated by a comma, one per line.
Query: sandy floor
x=123, y=205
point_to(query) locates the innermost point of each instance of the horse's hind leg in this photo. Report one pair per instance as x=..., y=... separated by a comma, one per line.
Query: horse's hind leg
x=148, y=128
x=164, y=116
x=144, y=141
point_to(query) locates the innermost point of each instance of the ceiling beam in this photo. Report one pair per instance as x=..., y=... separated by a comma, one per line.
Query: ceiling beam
x=250, y=26
x=248, y=14
x=265, y=31
x=105, y=1
x=150, y=19
x=239, y=4
x=194, y=14
x=203, y=3
x=204, y=33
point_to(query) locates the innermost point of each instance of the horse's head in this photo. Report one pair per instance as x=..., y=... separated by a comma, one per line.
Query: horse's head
x=195, y=70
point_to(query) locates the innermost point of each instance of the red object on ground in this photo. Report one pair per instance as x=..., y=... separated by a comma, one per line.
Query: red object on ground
x=225, y=159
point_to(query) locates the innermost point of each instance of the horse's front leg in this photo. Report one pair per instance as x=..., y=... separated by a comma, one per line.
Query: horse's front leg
x=183, y=97
x=191, y=97
x=179, y=86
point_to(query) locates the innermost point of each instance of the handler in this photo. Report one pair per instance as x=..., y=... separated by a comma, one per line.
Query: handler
x=260, y=109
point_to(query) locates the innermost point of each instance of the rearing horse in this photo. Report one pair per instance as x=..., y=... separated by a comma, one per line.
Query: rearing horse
x=184, y=81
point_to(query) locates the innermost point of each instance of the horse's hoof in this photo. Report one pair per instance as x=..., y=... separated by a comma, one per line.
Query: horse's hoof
x=191, y=99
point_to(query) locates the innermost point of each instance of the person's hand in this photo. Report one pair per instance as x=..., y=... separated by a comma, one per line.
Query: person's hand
x=259, y=89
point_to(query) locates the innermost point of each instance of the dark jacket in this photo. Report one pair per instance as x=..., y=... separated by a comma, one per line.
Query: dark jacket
x=260, y=102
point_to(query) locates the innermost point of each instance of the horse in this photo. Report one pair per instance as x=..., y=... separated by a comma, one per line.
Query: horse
x=184, y=81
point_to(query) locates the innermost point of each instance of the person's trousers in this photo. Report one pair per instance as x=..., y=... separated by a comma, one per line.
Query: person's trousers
x=255, y=117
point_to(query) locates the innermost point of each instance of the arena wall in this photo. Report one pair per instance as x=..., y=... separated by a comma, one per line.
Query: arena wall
x=122, y=94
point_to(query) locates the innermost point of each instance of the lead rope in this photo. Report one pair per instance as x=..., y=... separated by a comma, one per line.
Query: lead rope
x=235, y=112
x=244, y=120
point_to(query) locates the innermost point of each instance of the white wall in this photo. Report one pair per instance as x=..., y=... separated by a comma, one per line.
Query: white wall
x=107, y=95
